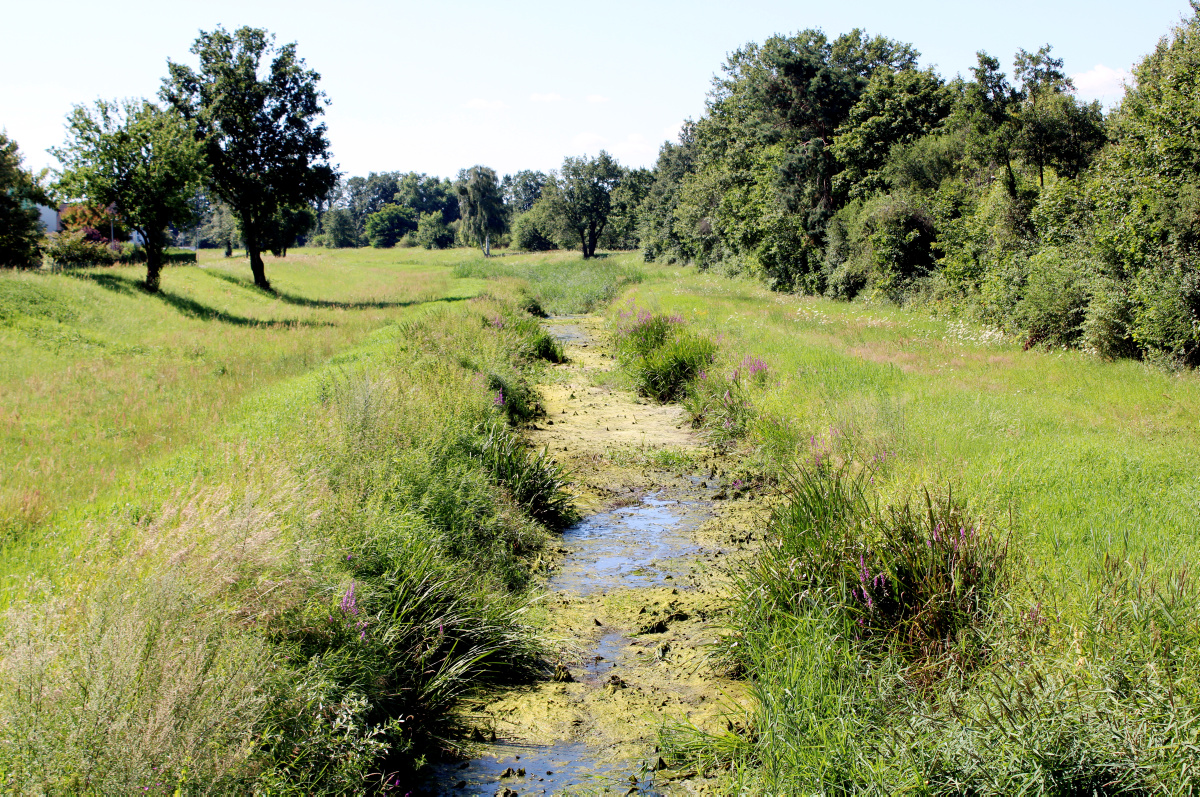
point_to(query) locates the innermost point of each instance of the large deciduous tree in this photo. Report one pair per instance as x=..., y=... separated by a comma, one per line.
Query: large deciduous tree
x=582, y=197
x=138, y=158
x=20, y=194
x=480, y=205
x=257, y=127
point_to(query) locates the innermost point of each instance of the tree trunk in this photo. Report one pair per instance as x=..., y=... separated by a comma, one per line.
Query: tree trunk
x=153, y=270
x=487, y=244
x=258, y=268
x=228, y=247
x=154, y=245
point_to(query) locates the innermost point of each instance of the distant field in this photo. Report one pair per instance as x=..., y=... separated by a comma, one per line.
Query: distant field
x=95, y=377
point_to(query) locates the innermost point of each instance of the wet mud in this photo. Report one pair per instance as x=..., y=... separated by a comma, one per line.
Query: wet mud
x=633, y=600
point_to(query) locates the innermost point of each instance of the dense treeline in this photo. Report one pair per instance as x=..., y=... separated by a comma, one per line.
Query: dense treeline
x=838, y=167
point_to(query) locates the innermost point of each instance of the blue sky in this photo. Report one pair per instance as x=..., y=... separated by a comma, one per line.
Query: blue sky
x=435, y=87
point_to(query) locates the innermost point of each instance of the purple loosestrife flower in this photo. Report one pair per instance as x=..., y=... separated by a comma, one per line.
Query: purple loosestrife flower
x=499, y=399
x=349, y=601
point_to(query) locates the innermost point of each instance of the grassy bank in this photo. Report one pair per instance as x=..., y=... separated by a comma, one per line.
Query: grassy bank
x=286, y=592
x=1083, y=468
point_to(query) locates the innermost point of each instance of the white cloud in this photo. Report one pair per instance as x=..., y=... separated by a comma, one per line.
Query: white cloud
x=1102, y=83
x=545, y=97
x=596, y=98
x=485, y=105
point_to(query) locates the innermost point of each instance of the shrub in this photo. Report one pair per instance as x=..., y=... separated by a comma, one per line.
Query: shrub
x=919, y=578
x=1107, y=327
x=387, y=226
x=73, y=250
x=662, y=357
x=532, y=233
x=432, y=232
x=1057, y=292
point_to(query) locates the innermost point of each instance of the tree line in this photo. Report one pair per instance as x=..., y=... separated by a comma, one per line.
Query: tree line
x=838, y=167
x=824, y=166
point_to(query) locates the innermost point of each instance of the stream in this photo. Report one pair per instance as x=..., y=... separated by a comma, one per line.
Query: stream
x=634, y=565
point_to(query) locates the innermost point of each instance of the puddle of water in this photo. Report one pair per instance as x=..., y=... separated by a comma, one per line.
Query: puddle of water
x=632, y=546
x=603, y=657
x=567, y=333
x=566, y=768
x=628, y=547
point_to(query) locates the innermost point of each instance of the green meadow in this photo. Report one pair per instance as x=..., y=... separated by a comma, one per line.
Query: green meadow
x=244, y=529
x=1047, y=645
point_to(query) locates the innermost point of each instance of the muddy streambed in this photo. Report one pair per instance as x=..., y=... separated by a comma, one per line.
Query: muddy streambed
x=631, y=604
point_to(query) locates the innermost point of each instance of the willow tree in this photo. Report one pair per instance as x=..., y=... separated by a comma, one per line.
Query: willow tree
x=480, y=205
x=257, y=125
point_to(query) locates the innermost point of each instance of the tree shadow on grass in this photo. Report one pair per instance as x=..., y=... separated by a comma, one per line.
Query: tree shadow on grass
x=325, y=304
x=190, y=307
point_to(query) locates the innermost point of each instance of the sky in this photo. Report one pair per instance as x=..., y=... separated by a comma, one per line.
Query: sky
x=438, y=87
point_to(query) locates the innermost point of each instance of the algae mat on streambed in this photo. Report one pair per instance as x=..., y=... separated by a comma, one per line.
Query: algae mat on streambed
x=633, y=601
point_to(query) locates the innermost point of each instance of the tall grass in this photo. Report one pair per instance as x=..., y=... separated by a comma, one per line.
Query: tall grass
x=660, y=354
x=295, y=607
x=1054, y=657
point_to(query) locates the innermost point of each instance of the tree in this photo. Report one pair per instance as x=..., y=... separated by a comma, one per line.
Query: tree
x=481, y=205
x=138, y=157
x=1049, y=126
x=522, y=189
x=289, y=224
x=582, y=197
x=263, y=150
x=219, y=227
x=363, y=196
x=896, y=108
x=425, y=194
x=339, y=232
x=20, y=194
x=389, y=224
x=433, y=232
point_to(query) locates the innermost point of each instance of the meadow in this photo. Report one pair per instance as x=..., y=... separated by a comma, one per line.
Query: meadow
x=1051, y=648
x=243, y=529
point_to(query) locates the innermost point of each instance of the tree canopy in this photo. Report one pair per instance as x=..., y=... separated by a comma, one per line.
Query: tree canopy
x=481, y=205
x=257, y=123
x=20, y=194
x=138, y=158
x=582, y=197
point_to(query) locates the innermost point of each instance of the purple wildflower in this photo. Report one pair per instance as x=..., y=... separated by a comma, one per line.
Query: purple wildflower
x=349, y=601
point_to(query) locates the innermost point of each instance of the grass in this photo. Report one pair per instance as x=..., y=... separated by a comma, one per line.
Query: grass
x=1089, y=470
x=562, y=282
x=316, y=553
x=98, y=378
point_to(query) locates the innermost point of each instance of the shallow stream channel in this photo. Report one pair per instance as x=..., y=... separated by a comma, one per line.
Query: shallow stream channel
x=632, y=603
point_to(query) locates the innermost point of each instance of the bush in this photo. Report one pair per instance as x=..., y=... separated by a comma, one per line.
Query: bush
x=662, y=356
x=1057, y=292
x=432, y=232
x=1166, y=313
x=531, y=233
x=1107, y=326
x=73, y=250
x=387, y=226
